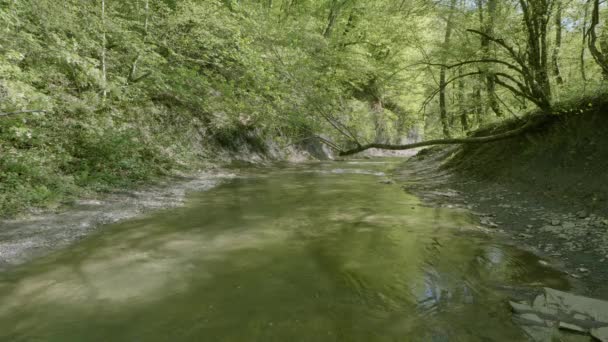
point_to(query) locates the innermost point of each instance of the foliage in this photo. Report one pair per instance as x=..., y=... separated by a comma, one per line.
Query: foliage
x=146, y=87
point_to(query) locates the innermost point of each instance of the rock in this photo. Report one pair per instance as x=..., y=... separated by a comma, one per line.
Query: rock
x=555, y=222
x=520, y=308
x=582, y=214
x=570, y=304
x=387, y=182
x=555, y=309
x=601, y=334
x=572, y=327
x=529, y=226
x=532, y=319
x=568, y=225
x=487, y=222
x=525, y=236
x=582, y=270
x=550, y=229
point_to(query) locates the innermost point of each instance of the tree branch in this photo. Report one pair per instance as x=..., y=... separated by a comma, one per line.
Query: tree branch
x=485, y=60
x=473, y=140
x=504, y=45
x=23, y=112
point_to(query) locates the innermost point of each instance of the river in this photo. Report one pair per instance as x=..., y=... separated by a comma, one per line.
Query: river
x=309, y=252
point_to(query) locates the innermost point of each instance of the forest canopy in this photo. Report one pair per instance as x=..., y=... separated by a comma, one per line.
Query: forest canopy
x=101, y=93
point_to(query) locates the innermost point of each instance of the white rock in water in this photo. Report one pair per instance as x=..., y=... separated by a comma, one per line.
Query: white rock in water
x=532, y=319
x=564, y=311
x=601, y=334
x=571, y=327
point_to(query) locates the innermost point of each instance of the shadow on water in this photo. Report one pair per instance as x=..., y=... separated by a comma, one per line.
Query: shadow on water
x=318, y=252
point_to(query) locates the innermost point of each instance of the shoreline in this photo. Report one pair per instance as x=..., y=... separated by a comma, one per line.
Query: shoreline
x=39, y=234
x=572, y=241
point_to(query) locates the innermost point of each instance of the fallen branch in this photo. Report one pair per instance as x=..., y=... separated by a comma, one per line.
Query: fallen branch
x=23, y=112
x=473, y=140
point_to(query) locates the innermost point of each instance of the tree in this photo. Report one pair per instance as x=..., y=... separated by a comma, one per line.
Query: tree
x=104, y=43
x=600, y=54
x=445, y=122
x=558, y=43
x=487, y=23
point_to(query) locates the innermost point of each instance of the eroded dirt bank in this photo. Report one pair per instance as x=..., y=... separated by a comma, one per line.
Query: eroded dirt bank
x=547, y=190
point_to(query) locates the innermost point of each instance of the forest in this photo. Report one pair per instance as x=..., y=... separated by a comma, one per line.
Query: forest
x=98, y=95
x=304, y=170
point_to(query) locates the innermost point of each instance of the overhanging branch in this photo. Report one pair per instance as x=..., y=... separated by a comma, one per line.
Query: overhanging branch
x=473, y=140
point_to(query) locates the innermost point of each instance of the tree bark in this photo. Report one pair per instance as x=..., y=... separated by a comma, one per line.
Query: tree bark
x=584, y=43
x=104, y=78
x=443, y=111
x=558, y=43
x=133, y=74
x=464, y=120
x=536, y=14
x=334, y=13
x=598, y=54
x=531, y=124
x=488, y=29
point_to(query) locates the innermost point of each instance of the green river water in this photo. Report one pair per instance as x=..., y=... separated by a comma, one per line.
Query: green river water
x=314, y=252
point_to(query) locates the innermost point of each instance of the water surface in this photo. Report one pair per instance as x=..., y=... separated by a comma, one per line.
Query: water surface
x=315, y=252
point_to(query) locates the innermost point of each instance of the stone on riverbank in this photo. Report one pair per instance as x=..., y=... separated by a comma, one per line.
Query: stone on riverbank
x=553, y=310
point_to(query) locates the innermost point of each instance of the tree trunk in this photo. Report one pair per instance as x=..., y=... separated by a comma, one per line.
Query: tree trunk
x=558, y=43
x=379, y=122
x=597, y=54
x=536, y=19
x=334, y=12
x=488, y=28
x=133, y=75
x=443, y=111
x=528, y=126
x=464, y=120
x=104, y=78
x=584, y=45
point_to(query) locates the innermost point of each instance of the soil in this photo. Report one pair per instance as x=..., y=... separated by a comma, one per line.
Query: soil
x=546, y=191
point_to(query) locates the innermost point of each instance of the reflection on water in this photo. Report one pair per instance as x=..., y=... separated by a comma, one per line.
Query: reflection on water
x=308, y=253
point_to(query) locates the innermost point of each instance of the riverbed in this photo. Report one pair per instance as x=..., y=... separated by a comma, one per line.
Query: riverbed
x=328, y=251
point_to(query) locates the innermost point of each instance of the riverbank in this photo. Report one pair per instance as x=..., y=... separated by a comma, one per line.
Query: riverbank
x=26, y=238
x=546, y=189
x=309, y=251
x=39, y=230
